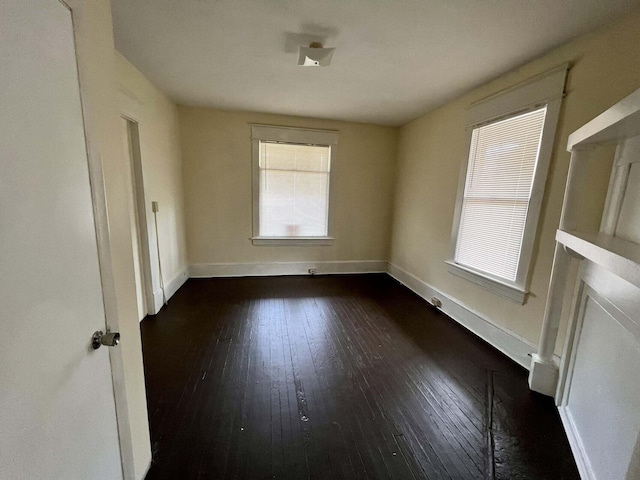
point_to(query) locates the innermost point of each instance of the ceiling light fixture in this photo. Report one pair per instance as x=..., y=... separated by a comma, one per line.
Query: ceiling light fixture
x=315, y=55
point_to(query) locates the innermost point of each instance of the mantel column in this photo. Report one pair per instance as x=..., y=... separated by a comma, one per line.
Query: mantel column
x=543, y=375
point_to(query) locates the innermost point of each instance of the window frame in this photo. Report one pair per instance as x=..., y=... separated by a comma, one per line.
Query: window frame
x=544, y=89
x=298, y=136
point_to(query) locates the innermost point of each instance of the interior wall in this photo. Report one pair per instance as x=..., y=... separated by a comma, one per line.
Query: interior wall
x=216, y=148
x=96, y=68
x=157, y=118
x=604, y=69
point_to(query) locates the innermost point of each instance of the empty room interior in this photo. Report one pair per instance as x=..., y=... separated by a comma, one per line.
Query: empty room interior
x=320, y=239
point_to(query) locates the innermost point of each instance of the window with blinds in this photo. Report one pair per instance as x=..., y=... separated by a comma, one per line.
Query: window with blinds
x=293, y=189
x=502, y=162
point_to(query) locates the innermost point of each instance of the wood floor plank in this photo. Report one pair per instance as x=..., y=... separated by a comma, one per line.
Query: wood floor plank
x=340, y=377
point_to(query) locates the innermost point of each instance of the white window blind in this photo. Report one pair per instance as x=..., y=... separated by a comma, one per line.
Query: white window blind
x=293, y=190
x=500, y=173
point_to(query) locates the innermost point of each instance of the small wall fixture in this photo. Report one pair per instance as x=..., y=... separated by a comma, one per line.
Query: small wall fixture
x=315, y=55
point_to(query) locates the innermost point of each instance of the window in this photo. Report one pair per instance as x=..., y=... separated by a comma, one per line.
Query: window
x=510, y=138
x=292, y=185
x=294, y=190
x=502, y=161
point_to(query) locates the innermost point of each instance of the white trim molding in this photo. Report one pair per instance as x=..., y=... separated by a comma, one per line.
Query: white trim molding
x=513, y=346
x=544, y=90
x=504, y=290
x=575, y=442
x=205, y=270
x=278, y=133
x=293, y=241
x=538, y=90
x=543, y=375
x=170, y=289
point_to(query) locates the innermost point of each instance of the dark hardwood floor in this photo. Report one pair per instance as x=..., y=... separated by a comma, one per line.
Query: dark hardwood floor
x=335, y=377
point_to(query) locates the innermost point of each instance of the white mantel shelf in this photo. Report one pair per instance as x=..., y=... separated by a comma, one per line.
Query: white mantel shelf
x=613, y=253
x=618, y=122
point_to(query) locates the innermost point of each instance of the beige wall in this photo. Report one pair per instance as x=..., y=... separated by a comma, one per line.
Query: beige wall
x=95, y=52
x=217, y=183
x=605, y=68
x=157, y=118
x=216, y=148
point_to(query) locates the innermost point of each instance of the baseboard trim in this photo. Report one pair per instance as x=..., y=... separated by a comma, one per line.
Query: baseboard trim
x=157, y=301
x=207, y=270
x=170, y=288
x=176, y=282
x=510, y=344
x=146, y=470
x=582, y=462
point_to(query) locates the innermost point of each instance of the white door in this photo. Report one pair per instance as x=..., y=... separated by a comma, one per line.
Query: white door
x=57, y=411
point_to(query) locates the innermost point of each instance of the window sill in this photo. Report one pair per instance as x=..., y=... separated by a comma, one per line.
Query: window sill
x=510, y=292
x=293, y=241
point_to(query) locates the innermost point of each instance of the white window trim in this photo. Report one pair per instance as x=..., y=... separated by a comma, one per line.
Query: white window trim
x=545, y=89
x=303, y=136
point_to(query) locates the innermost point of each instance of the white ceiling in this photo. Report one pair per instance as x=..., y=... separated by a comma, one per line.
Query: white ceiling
x=394, y=60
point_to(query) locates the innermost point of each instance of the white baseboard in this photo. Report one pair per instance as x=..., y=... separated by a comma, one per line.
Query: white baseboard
x=157, y=301
x=145, y=471
x=513, y=346
x=582, y=462
x=170, y=288
x=206, y=270
x=176, y=282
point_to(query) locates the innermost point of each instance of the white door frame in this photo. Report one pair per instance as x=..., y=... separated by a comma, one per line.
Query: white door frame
x=137, y=183
x=130, y=107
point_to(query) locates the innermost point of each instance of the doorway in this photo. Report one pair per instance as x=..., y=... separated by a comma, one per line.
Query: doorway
x=138, y=217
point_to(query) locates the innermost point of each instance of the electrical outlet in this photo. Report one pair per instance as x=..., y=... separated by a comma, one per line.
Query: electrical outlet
x=154, y=207
x=313, y=271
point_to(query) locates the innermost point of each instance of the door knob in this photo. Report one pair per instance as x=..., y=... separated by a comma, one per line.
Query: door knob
x=109, y=339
